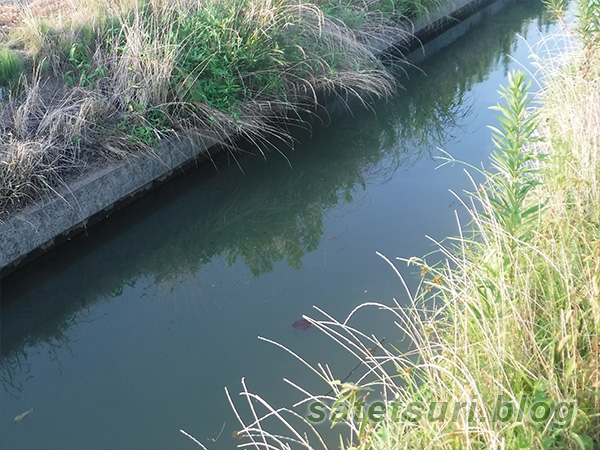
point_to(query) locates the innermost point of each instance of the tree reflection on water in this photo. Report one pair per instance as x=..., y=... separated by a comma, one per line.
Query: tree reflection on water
x=271, y=213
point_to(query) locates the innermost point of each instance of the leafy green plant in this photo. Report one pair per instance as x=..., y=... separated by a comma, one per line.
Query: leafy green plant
x=85, y=74
x=516, y=175
x=556, y=7
x=416, y=7
x=144, y=125
x=353, y=16
x=227, y=51
x=354, y=12
x=588, y=30
x=139, y=131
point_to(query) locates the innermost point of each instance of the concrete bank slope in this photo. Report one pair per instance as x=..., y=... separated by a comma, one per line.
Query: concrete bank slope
x=38, y=228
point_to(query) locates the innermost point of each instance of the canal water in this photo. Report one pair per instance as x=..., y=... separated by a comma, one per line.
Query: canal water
x=129, y=333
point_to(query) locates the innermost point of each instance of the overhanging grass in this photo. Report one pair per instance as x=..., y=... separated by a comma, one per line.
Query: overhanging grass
x=111, y=77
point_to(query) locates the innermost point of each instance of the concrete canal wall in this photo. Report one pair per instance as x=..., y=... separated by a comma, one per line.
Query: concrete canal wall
x=93, y=197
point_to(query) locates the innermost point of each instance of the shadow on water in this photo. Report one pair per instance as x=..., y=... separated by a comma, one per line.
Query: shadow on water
x=272, y=212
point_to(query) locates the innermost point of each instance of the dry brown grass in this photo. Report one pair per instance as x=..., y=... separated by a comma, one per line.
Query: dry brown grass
x=14, y=14
x=137, y=63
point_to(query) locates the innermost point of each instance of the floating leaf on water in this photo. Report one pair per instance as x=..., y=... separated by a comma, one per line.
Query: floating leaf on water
x=302, y=324
x=22, y=416
x=238, y=434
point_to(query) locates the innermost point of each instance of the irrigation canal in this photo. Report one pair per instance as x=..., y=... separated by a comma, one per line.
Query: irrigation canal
x=119, y=338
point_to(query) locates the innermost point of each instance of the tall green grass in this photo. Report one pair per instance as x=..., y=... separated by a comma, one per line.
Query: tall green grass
x=10, y=67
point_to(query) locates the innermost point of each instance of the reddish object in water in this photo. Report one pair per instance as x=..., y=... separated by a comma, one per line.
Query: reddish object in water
x=302, y=324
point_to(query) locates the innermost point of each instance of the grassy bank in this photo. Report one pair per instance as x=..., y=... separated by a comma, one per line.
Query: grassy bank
x=505, y=336
x=83, y=82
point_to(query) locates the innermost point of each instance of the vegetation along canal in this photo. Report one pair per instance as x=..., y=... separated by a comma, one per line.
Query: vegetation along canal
x=120, y=338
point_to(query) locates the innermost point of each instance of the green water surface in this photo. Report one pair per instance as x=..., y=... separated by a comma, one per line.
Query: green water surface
x=129, y=333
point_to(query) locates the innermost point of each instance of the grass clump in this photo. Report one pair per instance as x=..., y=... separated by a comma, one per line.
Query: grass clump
x=126, y=74
x=505, y=337
x=10, y=67
x=227, y=53
x=203, y=69
x=355, y=13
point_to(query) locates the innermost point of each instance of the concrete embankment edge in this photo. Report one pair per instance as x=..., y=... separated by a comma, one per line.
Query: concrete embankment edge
x=38, y=228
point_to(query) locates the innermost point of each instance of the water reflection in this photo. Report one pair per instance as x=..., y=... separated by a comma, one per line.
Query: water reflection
x=271, y=213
